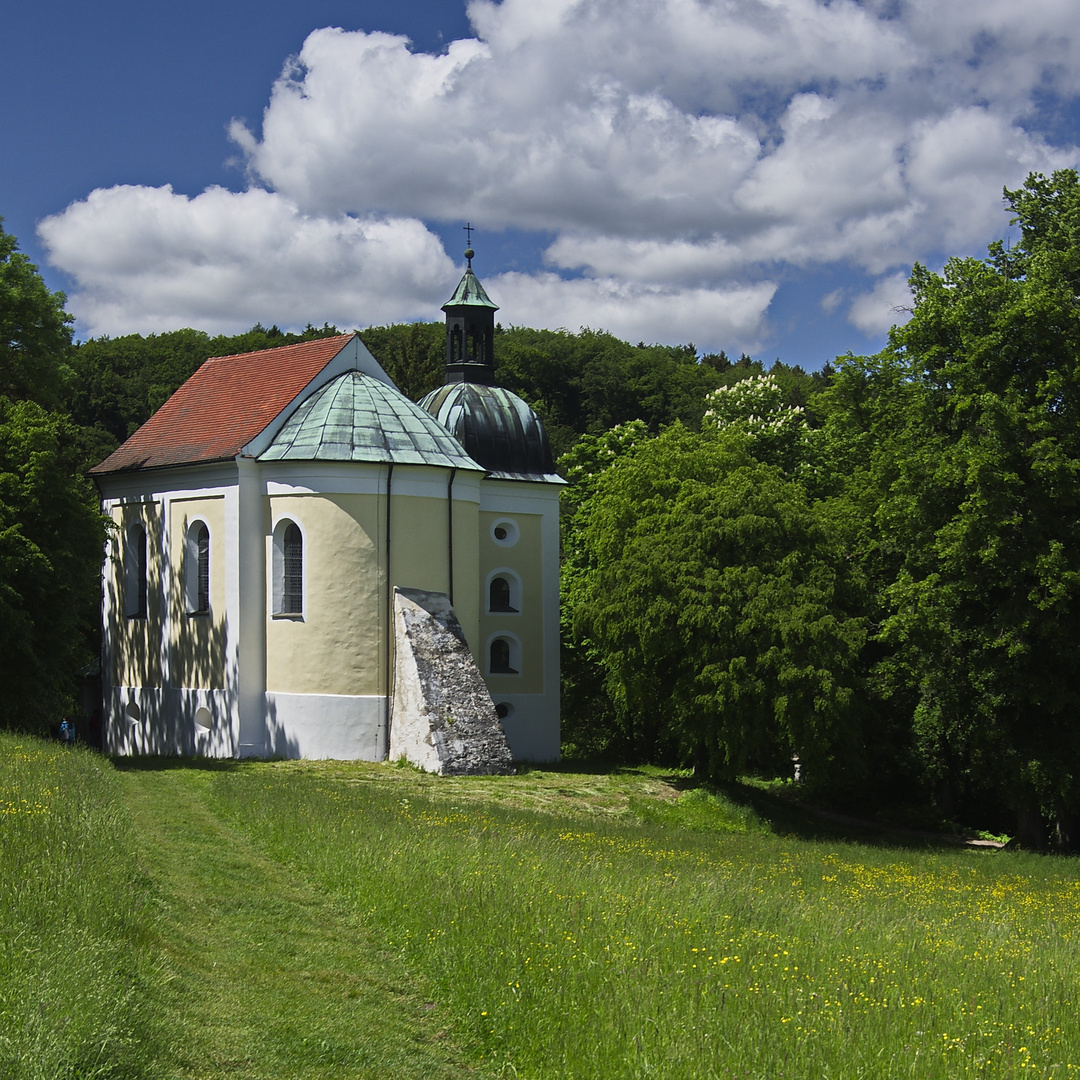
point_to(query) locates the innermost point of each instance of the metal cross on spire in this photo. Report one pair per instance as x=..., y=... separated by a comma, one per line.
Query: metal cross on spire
x=468, y=240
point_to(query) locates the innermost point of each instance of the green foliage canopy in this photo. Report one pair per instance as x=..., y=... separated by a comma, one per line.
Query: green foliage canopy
x=35, y=331
x=714, y=600
x=986, y=506
x=51, y=542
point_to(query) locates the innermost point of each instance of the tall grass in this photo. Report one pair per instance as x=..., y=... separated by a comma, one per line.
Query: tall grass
x=571, y=947
x=73, y=960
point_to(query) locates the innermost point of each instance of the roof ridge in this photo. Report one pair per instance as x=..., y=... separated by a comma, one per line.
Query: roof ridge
x=277, y=348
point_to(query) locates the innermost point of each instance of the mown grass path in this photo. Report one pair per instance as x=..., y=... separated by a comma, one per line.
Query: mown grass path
x=264, y=975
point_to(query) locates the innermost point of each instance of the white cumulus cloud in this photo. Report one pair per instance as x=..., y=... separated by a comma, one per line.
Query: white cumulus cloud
x=148, y=259
x=679, y=154
x=648, y=313
x=887, y=304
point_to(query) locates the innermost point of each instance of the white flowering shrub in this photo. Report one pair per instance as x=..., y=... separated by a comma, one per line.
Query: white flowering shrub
x=755, y=405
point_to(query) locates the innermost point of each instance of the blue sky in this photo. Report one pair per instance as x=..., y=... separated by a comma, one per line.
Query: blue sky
x=752, y=175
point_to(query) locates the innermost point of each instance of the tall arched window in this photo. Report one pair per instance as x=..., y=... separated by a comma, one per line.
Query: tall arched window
x=203, y=541
x=288, y=569
x=504, y=591
x=135, y=572
x=293, y=599
x=197, y=569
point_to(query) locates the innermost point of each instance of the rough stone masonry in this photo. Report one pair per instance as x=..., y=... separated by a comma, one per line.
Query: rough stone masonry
x=443, y=719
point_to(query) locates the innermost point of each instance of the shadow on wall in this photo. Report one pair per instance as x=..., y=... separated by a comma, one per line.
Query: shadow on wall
x=184, y=722
x=276, y=743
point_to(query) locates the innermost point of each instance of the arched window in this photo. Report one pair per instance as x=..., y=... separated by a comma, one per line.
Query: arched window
x=197, y=568
x=503, y=591
x=500, y=595
x=135, y=572
x=202, y=539
x=502, y=656
x=294, y=569
x=288, y=569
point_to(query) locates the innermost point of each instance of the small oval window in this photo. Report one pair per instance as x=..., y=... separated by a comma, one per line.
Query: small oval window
x=505, y=532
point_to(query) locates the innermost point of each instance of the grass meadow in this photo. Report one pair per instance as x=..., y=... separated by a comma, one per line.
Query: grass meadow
x=76, y=962
x=559, y=924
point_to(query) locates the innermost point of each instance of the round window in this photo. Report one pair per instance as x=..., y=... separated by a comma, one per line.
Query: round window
x=504, y=710
x=505, y=532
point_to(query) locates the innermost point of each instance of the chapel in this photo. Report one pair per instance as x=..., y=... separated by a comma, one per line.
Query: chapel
x=264, y=517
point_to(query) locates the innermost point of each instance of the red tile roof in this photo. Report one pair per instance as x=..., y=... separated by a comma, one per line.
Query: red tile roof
x=223, y=406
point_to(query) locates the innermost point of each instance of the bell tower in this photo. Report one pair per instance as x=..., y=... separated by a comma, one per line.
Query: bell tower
x=470, y=329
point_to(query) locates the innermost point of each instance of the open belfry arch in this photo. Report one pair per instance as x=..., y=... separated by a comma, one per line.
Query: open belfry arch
x=264, y=516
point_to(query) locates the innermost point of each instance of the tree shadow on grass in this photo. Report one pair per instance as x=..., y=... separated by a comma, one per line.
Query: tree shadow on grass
x=167, y=763
x=780, y=814
x=787, y=816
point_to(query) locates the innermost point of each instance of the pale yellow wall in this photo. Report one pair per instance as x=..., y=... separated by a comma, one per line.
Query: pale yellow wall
x=135, y=658
x=197, y=648
x=337, y=648
x=525, y=558
x=467, y=574
x=419, y=542
x=420, y=554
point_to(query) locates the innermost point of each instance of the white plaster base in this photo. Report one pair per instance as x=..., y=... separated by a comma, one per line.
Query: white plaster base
x=533, y=731
x=338, y=726
x=167, y=724
x=293, y=726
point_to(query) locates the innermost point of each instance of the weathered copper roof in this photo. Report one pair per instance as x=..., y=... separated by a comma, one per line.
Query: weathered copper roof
x=358, y=418
x=496, y=428
x=470, y=293
x=223, y=406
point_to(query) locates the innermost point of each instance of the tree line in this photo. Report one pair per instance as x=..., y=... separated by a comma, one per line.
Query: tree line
x=882, y=586
x=868, y=573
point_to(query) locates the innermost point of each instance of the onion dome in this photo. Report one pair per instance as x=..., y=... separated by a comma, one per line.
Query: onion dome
x=497, y=429
x=357, y=417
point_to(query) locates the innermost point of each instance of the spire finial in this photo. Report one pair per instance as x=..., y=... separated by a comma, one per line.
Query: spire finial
x=469, y=253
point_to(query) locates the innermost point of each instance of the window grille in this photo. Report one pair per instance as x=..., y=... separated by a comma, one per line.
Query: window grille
x=292, y=600
x=202, y=603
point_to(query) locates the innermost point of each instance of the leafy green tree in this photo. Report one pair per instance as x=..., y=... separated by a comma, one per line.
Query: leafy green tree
x=589, y=382
x=984, y=610
x=714, y=599
x=594, y=723
x=412, y=354
x=779, y=433
x=35, y=331
x=51, y=543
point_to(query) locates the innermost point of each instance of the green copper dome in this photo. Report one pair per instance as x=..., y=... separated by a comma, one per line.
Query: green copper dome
x=356, y=417
x=496, y=428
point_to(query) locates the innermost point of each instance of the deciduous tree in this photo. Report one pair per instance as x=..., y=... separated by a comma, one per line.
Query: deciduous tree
x=985, y=506
x=35, y=331
x=715, y=601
